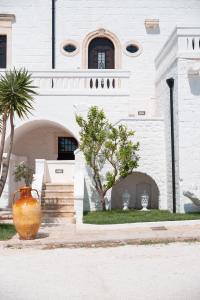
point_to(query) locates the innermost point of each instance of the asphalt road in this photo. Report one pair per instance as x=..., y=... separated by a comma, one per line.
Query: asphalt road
x=158, y=272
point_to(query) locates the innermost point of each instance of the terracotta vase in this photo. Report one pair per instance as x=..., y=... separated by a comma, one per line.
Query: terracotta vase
x=26, y=214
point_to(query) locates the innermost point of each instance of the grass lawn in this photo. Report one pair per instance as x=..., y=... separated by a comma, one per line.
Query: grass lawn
x=135, y=216
x=6, y=231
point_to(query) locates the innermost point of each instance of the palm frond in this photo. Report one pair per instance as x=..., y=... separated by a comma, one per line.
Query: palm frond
x=17, y=92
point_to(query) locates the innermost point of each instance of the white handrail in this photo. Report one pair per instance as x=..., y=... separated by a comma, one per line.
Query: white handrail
x=39, y=176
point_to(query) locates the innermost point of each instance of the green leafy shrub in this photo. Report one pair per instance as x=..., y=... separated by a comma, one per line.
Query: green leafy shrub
x=23, y=172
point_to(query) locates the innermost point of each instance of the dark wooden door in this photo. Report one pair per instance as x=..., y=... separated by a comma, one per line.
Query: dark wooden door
x=3, y=46
x=101, y=54
x=66, y=148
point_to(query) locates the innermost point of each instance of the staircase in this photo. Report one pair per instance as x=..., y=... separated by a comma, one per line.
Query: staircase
x=58, y=203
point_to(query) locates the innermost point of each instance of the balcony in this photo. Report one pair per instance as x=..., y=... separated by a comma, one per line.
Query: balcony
x=184, y=42
x=82, y=82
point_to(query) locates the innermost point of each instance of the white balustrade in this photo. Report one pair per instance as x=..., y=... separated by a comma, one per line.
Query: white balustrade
x=82, y=81
x=189, y=43
x=184, y=42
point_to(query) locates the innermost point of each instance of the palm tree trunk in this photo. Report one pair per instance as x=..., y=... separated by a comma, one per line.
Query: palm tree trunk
x=6, y=162
x=3, y=135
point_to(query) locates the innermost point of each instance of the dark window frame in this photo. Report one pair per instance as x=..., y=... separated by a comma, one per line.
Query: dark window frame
x=132, y=48
x=101, y=45
x=3, y=51
x=69, y=48
x=66, y=148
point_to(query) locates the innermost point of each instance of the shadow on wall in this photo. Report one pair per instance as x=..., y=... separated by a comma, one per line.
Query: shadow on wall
x=190, y=207
x=91, y=198
x=136, y=184
x=86, y=202
x=153, y=30
x=194, y=83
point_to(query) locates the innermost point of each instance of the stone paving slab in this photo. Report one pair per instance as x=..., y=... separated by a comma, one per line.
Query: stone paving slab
x=70, y=235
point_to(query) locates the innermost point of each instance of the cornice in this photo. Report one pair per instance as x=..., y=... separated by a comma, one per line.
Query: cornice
x=7, y=17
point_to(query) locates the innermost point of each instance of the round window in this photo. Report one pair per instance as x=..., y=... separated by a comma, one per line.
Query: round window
x=69, y=48
x=132, y=48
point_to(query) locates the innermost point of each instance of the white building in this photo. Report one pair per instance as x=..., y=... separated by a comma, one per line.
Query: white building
x=117, y=55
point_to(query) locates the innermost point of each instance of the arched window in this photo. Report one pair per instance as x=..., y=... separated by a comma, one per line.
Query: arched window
x=101, y=54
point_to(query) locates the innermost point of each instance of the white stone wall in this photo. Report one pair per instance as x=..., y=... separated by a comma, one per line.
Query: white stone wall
x=150, y=134
x=31, y=45
x=31, y=33
x=31, y=48
x=189, y=133
x=62, y=110
x=186, y=123
x=126, y=20
x=163, y=96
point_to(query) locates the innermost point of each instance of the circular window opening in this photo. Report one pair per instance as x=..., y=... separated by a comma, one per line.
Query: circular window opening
x=132, y=48
x=69, y=48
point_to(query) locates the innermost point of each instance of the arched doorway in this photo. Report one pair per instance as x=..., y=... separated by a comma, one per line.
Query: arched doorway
x=101, y=34
x=136, y=184
x=101, y=54
x=44, y=139
x=36, y=143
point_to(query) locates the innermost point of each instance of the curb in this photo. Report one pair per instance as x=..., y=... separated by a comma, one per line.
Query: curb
x=102, y=243
x=82, y=226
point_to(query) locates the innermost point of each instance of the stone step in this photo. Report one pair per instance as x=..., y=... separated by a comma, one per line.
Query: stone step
x=57, y=193
x=6, y=215
x=49, y=216
x=51, y=213
x=67, y=207
x=58, y=203
x=58, y=220
x=58, y=200
x=59, y=186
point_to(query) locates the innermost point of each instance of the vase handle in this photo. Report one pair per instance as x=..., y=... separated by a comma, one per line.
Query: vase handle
x=37, y=193
x=18, y=191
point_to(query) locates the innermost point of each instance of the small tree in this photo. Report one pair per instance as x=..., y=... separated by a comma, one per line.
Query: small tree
x=16, y=98
x=23, y=172
x=108, y=150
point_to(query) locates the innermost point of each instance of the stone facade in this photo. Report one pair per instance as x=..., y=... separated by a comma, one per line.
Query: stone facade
x=139, y=96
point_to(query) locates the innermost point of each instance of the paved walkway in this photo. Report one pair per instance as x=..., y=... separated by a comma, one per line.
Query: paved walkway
x=153, y=272
x=72, y=236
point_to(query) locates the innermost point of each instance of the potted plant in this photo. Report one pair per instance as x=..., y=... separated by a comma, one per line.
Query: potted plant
x=24, y=172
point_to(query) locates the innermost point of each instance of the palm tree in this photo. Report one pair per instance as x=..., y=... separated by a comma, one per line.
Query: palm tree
x=16, y=98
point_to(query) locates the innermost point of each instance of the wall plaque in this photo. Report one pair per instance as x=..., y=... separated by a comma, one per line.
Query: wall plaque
x=59, y=171
x=141, y=113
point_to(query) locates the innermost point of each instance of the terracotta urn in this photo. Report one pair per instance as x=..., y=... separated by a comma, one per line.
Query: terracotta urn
x=26, y=214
